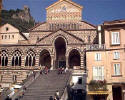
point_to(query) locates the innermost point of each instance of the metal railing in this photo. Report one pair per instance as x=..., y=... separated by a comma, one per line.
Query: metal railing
x=64, y=95
x=95, y=47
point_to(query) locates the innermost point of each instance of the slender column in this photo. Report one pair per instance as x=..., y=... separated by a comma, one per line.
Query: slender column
x=52, y=62
x=37, y=60
x=99, y=35
x=18, y=61
x=1, y=60
x=28, y=60
x=67, y=65
x=14, y=60
x=32, y=61
x=9, y=60
x=23, y=60
x=100, y=39
x=4, y=61
x=82, y=61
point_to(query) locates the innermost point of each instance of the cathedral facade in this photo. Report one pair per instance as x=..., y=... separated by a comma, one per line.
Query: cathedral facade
x=60, y=41
x=95, y=55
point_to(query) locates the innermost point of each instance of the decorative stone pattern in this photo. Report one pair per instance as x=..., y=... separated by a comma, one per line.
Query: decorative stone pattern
x=70, y=39
x=64, y=11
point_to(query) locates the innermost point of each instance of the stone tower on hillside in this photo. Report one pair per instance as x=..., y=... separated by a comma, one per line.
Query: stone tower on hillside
x=24, y=15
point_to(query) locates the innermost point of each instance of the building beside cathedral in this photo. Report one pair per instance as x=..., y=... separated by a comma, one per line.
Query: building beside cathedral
x=107, y=63
x=65, y=40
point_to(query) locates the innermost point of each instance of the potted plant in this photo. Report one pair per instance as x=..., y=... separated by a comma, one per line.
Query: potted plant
x=97, y=85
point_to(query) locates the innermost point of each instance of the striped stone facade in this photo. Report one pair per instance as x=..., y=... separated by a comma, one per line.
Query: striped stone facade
x=63, y=23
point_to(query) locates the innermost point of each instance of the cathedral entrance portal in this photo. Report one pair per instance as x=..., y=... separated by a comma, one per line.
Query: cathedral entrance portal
x=60, y=47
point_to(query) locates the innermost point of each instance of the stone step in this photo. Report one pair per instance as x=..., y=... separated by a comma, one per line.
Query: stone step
x=46, y=85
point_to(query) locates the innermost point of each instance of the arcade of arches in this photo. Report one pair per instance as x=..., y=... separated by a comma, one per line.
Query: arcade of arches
x=45, y=58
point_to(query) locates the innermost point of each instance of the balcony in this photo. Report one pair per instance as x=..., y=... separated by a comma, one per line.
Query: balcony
x=95, y=47
x=97, y=85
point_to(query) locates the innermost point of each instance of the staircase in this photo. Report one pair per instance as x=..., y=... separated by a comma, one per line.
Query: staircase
x=47, y=85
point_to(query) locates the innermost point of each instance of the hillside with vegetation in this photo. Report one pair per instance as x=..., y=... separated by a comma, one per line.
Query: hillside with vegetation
x=19, y=18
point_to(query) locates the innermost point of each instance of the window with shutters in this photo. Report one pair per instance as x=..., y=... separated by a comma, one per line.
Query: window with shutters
x=98, y=56
x=98, y=73
x=117, y=70
x=116, y=55
x=115, y=37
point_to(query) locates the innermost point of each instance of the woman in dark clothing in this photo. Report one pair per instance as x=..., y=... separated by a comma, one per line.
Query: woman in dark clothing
x=50, y=98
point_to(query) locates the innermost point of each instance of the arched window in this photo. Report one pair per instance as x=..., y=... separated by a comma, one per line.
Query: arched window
x=4, y=58
x=16, y=58
x=30, y=59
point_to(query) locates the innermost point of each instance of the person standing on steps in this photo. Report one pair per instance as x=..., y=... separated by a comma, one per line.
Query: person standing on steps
x=55, y=98
x=66, y=69
x=34, y=74
x=41, y=72
x=57, y=95
x=63, y=70
x=46, y=68
x=51, y=98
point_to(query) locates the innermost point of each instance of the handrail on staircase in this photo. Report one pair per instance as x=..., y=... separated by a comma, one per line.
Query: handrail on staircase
x=27, y=83
x=68, y=81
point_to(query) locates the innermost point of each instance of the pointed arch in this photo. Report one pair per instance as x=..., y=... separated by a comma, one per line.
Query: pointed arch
x=30, y=58
x=16, y=58
x=4, y=58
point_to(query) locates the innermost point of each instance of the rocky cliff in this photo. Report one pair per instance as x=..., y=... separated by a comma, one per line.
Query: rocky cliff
x=23, y=15
x=20, y=18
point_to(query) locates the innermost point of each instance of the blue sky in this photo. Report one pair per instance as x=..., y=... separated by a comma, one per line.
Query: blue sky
x=95, y=11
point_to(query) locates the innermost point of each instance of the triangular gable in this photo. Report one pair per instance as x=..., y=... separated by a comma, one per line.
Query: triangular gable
x=10, y=27
x=73, y=3
x=71, y=39
x=36, y=27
